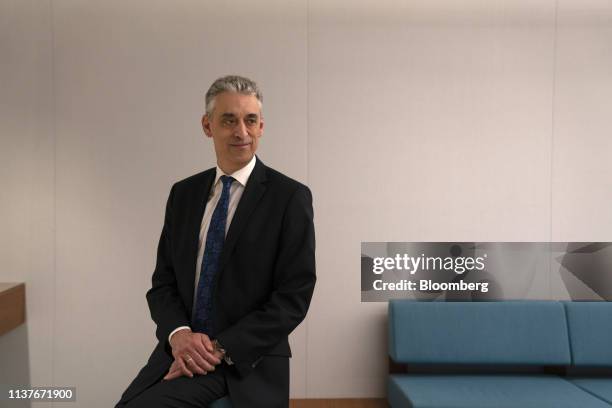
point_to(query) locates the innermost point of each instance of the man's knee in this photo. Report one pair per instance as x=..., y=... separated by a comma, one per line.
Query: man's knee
x=182, y=392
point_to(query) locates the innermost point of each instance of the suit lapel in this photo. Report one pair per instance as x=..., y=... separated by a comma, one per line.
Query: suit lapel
x=253, y=192
x=196, y=213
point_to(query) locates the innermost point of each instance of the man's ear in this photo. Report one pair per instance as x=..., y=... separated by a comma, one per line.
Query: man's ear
x=206, y=125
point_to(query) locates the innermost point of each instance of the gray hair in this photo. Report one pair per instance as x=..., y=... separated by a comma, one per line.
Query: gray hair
x=231, y=83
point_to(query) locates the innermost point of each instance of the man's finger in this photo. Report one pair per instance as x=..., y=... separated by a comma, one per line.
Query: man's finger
x=204, y=362
x=194, y=359
x=213, y=358
x=202, y=351
x=186, y=344
x=174, y=369
x=207, y=343
x=197, y=364
x=207, y=359
x=172, y=375
x=200, y=356
x=184, y=368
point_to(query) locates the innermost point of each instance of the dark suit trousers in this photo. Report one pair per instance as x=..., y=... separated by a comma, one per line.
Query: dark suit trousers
x=184, y=392
x=272, y=389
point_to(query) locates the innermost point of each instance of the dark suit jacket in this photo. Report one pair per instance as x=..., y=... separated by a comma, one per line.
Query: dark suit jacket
x=262, y=289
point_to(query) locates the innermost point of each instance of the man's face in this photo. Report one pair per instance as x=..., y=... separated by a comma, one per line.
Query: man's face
x=235, y=127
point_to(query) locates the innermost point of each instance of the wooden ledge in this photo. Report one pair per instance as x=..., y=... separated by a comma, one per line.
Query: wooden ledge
x=12, y=306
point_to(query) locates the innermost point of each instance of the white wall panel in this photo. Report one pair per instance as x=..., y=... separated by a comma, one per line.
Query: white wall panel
x=427, y=123
x=26, y=182
x=582, y=146
x=130, y=81
x=410, y=121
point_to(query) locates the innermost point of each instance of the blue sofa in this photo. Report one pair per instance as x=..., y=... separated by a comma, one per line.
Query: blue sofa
x=500, y=354
x=221, y=403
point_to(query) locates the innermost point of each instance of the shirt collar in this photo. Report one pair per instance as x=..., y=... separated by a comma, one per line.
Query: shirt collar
x=242, y=175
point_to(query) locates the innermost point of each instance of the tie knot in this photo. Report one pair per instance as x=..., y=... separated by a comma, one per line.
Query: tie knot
x=227, y=181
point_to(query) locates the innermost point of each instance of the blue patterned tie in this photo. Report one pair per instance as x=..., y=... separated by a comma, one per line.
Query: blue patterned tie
x=202, y=319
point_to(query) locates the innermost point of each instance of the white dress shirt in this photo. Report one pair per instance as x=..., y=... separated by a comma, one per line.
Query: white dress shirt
x=237, y=188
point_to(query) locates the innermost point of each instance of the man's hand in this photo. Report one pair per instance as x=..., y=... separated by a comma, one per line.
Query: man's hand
x=193, y=353
x=176, y=372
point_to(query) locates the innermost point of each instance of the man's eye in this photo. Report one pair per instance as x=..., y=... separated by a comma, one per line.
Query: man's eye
x=252, y=121
x=229, y=121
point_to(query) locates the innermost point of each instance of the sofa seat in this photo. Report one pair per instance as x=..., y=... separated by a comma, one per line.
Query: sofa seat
x=600, y=387
x=221, y=403
x=486, y=391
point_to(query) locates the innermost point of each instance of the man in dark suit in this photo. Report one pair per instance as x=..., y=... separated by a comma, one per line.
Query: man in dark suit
x=235, y=271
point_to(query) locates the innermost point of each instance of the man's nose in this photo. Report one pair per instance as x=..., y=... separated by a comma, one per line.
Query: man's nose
x=241, y=130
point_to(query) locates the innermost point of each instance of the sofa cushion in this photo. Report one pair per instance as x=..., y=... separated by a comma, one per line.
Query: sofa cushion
x=221, y=403
x=474, y=391
x=521, y=332
x=600, y=387
x=590, y=329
